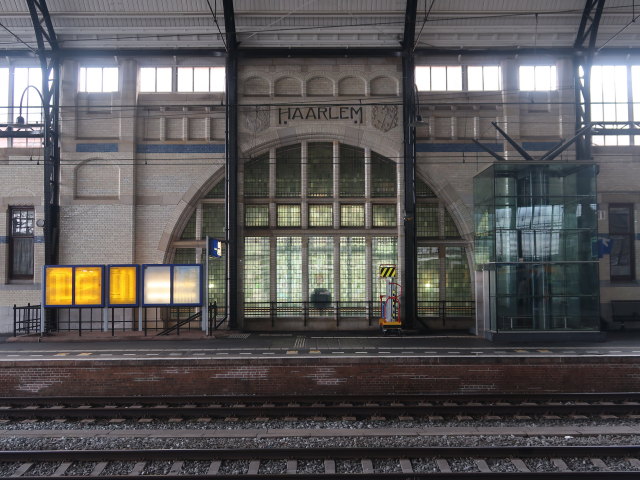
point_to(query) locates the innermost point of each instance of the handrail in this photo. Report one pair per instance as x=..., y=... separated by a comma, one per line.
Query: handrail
x=168, y=330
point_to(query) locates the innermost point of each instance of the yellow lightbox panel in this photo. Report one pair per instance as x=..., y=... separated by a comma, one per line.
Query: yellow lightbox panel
x=123, y=285
x=88, y=286
x=59, y=286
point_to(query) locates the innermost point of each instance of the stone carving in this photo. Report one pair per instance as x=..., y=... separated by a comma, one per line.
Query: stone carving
x=258, y=119
x=384, y=117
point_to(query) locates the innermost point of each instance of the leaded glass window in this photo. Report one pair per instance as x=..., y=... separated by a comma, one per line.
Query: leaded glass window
x=352, y=269
x=428, y=276
x=321, y=215
x=423, y=190
x=622, y=242
x=289, y=269
x=256, y=215
x=288, y=215
x=320, y=169
x=352, y=215
x=320, y=253
x=256, y=269
x=384, y=215
x=288, y=171
x=450, y=229
x=384, y=251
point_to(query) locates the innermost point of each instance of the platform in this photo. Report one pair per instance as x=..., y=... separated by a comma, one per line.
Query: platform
x=259, y=363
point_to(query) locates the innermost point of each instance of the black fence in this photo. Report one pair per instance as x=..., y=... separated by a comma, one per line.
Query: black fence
x=26, y=320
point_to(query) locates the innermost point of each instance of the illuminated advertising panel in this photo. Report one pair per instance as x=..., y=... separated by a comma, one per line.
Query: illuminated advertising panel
x=156, y=284
x=88, y=286
x=171, y=285
x=186, y=285
x=58, y=287
x=123, y=285
x=73, y=286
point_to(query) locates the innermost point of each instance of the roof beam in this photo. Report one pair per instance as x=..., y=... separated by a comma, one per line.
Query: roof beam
x=589, y=24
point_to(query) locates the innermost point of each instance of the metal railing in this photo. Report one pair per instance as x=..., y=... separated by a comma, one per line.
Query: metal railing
x=313, y=310
x=447, y=309
x=26, y=320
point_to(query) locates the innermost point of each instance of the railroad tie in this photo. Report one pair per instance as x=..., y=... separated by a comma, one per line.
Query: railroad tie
x=443, y=465
x=22, y=469
x=405, y=465
x=330, y=467
x=560, y=464
x=214, y=467
x=61, y=469
x=292, y=467
x=482, y=466
x=97, y=470
x=367, y=465
x=633, y=461
x=600, y=464
x=520, y=465
x=137, y=469
x=176, y=468
x=254, y=466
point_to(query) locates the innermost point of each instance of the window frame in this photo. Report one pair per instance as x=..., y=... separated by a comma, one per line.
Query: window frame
x=630, y=236
x=82, y=80
x=13, y=235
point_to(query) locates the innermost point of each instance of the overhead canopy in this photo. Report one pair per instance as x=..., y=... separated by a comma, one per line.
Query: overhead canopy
x=262, y=24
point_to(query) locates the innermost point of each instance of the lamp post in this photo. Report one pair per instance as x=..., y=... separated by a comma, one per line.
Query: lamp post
x=20, y=122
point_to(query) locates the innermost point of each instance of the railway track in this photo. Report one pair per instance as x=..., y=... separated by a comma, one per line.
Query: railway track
x=216, y=407
x=409, y=463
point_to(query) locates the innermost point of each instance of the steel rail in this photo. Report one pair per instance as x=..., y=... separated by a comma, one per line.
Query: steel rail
x=341, y=453
x=314, y=399
x=316, y=411
x=36, y=456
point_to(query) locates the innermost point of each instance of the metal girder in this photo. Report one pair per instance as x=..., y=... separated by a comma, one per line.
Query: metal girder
x=583, y=59
x=50, y=66
x=231, y=162
x=409, y=218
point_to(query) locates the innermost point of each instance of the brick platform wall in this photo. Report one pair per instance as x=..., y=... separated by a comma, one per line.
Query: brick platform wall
x=319, y=376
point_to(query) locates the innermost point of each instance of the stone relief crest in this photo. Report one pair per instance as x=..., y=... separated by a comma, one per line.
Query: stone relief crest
x=257, y=120
x=385, y=117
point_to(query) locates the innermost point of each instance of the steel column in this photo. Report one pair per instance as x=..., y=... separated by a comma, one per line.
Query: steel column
x=409, y=114
x=582, y=61
x=231, y=148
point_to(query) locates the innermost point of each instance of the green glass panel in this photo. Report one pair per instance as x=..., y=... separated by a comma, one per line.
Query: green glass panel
x=351, y=171
x=256, y=177
x=256, y=215
x=428, y=274
x=321, y=215
x=427, y=220
x=217, y=191
x=384, y=216
x=213, y=222
x=423, y=190
x=189, y=232
x=457, y=275
x=288, y=215
x=288, y=173
x=383, y=176
x=352, y=215
x=320, y=169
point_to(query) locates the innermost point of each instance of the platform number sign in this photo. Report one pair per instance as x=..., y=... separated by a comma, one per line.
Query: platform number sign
x=215, y=247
